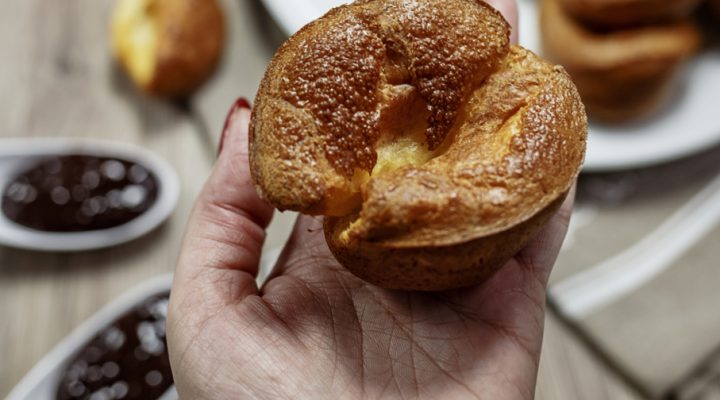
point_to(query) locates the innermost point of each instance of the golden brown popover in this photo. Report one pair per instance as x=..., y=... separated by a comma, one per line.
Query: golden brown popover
x=626, y=13
x=435, y=149
x=168, y=47
x=621, y=75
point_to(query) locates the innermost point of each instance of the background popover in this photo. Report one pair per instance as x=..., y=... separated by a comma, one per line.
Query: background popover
x=623, y=74
x=435, y=149
x=168, y=47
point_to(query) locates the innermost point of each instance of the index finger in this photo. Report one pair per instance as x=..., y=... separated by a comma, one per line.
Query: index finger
x=222, y=245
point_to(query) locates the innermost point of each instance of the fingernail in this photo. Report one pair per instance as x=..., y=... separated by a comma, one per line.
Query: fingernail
x=239, y=104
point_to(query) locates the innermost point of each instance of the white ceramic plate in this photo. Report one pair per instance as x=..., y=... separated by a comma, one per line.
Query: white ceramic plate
x=689, y=125
x=42, y=381
x=15, y=152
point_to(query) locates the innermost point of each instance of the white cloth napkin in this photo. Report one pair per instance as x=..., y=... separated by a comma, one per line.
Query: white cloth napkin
x=640, y=273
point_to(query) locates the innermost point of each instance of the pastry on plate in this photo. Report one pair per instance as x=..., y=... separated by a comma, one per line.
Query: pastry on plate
x=623, y=74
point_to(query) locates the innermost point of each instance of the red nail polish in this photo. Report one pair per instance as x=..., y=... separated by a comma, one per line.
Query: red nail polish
x=239, y=104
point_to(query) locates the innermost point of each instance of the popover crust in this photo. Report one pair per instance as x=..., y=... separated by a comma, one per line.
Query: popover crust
x=622, y=74
x=484, y=138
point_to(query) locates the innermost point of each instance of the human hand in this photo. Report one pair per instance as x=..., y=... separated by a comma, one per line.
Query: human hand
x=314, y=330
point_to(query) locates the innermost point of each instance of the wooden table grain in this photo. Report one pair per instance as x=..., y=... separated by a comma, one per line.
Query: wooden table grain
x=57, y=78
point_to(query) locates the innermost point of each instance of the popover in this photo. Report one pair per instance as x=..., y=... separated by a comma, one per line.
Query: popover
x=434, y=148
x=621, y=75
x=168, y=47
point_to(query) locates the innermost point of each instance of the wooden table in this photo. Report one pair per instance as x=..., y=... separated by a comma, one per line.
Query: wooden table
x=57, y=78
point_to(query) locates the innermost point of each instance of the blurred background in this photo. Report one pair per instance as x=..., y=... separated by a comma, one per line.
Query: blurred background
x=634, y=297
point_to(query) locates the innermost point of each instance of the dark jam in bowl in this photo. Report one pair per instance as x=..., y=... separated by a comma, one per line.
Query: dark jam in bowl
x=79, y=193
x=127, y=360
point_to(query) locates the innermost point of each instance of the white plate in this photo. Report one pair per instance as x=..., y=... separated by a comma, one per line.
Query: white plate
x=42, y=381
x=689, y=125
x=15, y=152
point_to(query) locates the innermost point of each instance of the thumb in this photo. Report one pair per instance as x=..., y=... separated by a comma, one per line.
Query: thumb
x=224, y=237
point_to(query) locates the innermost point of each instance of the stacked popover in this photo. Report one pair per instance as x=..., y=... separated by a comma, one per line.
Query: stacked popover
x=624, y=55
x=434, y=148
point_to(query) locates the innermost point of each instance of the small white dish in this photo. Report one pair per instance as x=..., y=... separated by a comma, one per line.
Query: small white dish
x=14, y=156
x=689, y=125
x=42, y=381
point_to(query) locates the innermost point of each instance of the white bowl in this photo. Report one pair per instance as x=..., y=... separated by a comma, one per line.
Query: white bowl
x=42, y=381
x=14, y=156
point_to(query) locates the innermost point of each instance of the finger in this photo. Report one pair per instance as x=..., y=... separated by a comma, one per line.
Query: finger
x=514, y=298
x=542, y=252
x=224, y=237
x=509, y=10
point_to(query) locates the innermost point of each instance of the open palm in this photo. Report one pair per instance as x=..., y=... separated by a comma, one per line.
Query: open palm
x=316, y=331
